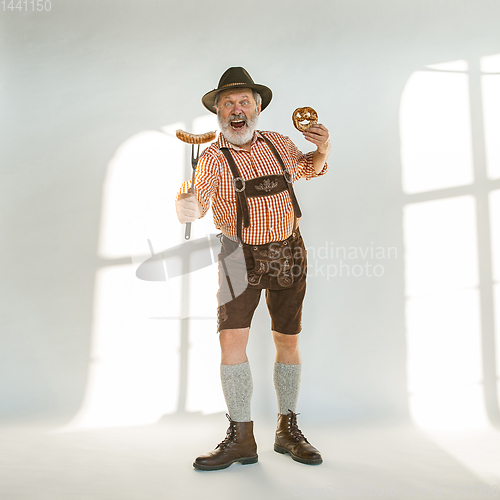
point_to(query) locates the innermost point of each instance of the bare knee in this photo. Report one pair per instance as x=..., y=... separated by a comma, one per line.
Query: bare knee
x=233, y=345
x=284, y=341
x=287, y=348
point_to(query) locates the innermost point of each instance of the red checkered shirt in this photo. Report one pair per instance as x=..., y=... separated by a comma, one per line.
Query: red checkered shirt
x=271, y=217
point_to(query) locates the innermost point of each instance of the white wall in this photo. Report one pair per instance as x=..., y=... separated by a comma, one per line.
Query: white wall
x=84, y=79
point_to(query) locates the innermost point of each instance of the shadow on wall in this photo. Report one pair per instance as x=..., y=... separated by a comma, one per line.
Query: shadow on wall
x=408, y=91
x=153, y=348
x=451, y=179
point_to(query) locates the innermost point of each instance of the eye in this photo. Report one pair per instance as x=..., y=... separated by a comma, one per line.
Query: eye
x=227, y=104
x=245, y=103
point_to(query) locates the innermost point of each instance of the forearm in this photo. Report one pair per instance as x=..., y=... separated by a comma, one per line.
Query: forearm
x=319, y=160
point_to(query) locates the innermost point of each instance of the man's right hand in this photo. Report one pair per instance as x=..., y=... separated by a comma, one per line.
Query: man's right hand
x=188, y=208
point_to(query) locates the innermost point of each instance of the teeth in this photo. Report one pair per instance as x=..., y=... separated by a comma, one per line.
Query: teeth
x=238, y=124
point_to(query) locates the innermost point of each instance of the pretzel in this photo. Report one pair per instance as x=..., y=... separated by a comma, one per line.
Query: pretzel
x=195, y=138
x=300, y=115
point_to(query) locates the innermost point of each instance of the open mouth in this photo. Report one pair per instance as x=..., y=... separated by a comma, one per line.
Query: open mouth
x=238, y=124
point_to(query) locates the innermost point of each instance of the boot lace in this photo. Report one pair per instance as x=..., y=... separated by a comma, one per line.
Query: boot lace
x=230, y=434
x=294, y=427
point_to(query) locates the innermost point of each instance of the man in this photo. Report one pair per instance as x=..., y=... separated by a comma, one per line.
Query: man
x=248, y=177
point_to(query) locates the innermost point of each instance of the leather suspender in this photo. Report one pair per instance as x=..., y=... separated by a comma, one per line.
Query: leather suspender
x=242, y=212
x=288, y=178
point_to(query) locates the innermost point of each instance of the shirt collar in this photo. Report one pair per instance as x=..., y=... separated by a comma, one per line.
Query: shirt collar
x=223, y=143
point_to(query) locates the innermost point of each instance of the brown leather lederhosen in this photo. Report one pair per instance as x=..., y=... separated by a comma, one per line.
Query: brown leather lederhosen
x=273, y=262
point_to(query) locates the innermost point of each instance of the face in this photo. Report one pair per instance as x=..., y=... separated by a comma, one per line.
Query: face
x=238, y=115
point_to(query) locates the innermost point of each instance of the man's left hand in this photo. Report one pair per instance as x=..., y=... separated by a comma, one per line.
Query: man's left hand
x=318, y=134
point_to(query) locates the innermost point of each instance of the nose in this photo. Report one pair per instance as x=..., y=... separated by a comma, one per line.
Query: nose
x=237, y=109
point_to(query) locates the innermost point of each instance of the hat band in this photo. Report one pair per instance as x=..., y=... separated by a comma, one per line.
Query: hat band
x=232, y=84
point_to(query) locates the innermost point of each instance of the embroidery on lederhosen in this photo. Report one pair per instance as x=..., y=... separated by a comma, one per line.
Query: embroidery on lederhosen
x=221, y=314
x=266, y=185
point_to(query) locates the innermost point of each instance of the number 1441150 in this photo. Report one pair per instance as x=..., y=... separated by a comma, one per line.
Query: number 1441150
x=27, y=5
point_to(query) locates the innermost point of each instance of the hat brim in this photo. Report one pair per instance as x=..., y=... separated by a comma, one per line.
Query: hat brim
x=208, y=99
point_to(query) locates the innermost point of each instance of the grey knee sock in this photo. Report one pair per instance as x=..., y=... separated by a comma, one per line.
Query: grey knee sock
x=287, y=382
x=237, y=386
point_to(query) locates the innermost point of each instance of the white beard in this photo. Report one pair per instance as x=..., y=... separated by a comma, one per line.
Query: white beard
x=236, y=137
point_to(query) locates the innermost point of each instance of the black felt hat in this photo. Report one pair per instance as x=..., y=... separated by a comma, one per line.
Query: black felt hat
x=235, y=78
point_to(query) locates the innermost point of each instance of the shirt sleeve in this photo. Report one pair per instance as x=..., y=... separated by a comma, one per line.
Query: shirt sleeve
x=206, y=180
x=304, y=163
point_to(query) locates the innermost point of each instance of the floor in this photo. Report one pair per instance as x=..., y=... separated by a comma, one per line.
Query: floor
x=155, y=462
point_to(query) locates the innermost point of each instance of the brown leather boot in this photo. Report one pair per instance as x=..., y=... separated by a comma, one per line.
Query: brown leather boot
x=289, y=439
x=238, y=446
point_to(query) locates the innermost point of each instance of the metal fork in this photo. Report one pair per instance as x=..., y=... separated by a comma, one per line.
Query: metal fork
x=194, y=164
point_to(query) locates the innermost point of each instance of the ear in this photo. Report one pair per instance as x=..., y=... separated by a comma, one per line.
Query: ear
x=259, y=108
